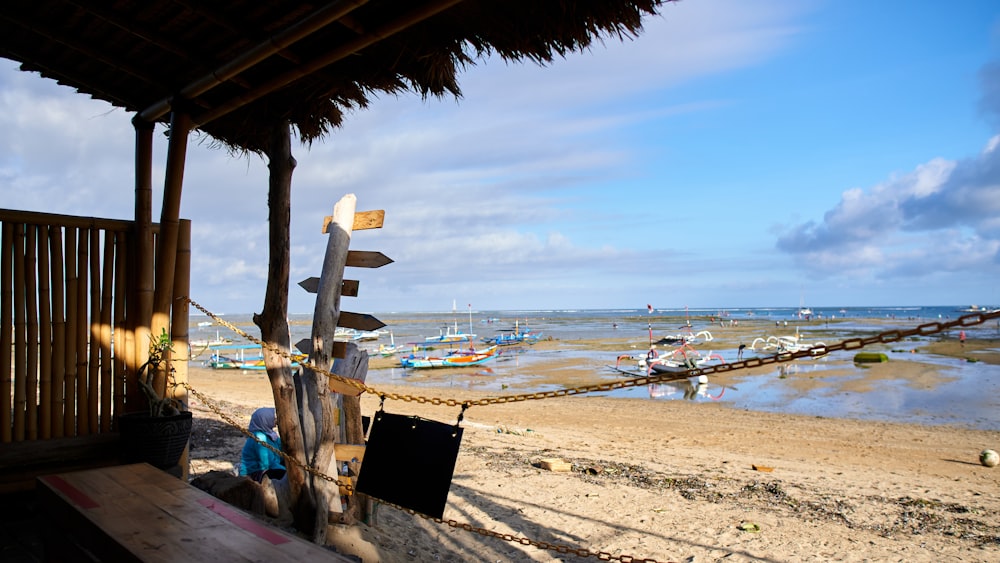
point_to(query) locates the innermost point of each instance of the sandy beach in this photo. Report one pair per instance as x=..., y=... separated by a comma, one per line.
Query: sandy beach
x=672, y=480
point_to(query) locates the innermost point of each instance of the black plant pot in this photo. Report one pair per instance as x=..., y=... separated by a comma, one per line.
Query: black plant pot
x=156, y=440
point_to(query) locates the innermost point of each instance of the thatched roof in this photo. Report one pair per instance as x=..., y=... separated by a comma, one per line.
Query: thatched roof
x=241, y=66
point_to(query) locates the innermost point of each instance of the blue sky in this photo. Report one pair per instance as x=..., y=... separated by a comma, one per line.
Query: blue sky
x=735, y=154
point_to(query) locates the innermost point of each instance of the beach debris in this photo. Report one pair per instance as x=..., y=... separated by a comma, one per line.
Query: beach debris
x=747, y=526
x=989, y=458
x=762, y=468
x=870, y=358
x=514, y=431
x=554, y=464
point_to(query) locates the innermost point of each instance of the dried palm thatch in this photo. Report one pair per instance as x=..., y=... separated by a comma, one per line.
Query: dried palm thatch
x=241, y=66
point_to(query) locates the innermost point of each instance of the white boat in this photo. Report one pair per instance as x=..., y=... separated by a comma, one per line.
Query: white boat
x=782, y=344
x=977, y=309
x=450, y=335
x=678, y=361
x=690, y=337
x=803, y=310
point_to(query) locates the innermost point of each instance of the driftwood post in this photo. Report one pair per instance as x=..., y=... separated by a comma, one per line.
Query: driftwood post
x=351, y=363
x=273, y=323
x=315, y=385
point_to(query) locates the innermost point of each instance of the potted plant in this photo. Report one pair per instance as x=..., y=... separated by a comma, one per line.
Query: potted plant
x=158, y=435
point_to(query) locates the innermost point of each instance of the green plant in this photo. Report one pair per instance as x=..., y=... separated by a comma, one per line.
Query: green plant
x=158, y=348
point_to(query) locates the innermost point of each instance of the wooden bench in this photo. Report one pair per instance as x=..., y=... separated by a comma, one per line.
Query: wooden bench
x=139, y=513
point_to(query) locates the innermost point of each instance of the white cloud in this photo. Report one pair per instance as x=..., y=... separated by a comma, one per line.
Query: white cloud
x=941, y=217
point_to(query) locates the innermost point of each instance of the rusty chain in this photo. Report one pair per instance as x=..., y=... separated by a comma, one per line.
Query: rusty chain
x=559, y=548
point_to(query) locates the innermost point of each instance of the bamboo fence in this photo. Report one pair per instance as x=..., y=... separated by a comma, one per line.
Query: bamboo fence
x=67, y=322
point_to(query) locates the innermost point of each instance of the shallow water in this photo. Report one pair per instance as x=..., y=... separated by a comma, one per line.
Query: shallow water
x=969, y=397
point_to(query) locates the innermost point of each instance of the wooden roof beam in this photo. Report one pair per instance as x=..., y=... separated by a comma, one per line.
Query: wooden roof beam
x=304, y=28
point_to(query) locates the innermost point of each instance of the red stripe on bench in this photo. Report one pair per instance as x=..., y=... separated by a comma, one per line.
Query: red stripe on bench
x=242, y=521
x=78, y=497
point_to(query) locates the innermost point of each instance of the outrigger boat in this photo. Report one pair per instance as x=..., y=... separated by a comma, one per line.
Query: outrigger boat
x=455, y=359
x=689, y=338
x=450, y=336
x=512, y=336
x=386, y=350
x=676, y=362
x=236, y=357
x=782, y=344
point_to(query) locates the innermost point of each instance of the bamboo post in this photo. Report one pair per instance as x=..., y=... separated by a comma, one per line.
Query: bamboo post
x=121, y=336
x=140, y=319
x=58, y=289
x=70, y=406
x=82, y=329
x=20, y=345
x=105, y=360
x=166, y=250
x=181, y=311
x=31, y=290
x=45, y=336
x=94, y=346
x=6, y=320
x=179, y=328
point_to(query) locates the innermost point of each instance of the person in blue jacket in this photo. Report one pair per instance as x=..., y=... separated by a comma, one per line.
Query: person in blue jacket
x=256, y=461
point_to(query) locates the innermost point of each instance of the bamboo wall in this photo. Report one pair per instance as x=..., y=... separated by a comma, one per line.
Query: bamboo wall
x=66, y=341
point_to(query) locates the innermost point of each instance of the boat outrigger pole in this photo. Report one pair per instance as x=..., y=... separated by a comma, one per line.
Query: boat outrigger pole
x=649, y=324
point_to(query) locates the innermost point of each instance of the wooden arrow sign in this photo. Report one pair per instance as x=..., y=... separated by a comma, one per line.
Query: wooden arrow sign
x=338, y=386
x=366, y=259
x=363, y=220
x=310, y=284
x=359, y=321
x=348, y=288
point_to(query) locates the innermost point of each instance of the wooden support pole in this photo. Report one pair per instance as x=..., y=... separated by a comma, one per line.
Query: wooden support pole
x=6, y=330
x=143, y=254
x=95, y=333
x=179, y=328
x=31, y=290
x=166, y=251
x=81, y=332
x=20, y=343
x=122, y=335
x=70, y=407
x=105, y=359
x=273, y=323
x=45, y=390
x=58, y=290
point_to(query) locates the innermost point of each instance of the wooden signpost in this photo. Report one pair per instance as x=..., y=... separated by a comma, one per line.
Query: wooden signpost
x=343, y=359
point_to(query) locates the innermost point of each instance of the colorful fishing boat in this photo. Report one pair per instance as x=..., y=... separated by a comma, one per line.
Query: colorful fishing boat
x=455, y=359
x=512, y=336
x=244, y=357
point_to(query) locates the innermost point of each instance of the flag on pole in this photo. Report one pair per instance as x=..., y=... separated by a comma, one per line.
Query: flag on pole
x=650, y=307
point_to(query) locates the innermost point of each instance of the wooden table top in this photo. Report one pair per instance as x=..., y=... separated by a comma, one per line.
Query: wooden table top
x=154, y=516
